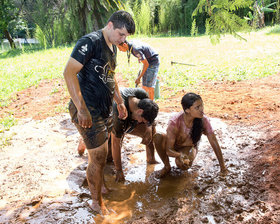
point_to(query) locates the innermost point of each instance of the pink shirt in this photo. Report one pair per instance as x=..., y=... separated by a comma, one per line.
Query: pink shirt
x=177, y=127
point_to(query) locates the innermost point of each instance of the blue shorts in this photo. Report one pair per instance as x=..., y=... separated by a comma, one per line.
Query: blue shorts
x=99, y=131
x=150, y=77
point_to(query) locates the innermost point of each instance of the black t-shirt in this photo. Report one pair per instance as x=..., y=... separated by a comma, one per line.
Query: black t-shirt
x=96, y=78
x=125, y=126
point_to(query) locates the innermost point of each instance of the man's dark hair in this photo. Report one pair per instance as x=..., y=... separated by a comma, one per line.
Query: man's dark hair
x=121, y=19
x=197, y=128
x=150, y=109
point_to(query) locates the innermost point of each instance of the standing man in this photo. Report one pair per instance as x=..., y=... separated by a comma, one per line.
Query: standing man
x=150, y=59
x=89, y=75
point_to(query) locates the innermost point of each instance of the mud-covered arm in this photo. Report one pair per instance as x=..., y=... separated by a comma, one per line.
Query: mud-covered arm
x=116, y=153
x=216, y=147
x=71, y=70
x=119, y=100
x=171, y=135
x=145, y=67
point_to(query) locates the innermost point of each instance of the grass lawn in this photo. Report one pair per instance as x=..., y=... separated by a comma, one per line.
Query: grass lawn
x=231, y=59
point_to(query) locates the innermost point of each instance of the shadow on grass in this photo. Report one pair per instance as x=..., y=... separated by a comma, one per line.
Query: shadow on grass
x=18, y=51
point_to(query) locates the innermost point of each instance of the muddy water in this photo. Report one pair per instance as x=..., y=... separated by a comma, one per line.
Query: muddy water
x=53, y=187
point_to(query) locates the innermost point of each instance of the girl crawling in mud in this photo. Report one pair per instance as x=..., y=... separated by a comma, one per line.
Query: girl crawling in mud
x=183, y=134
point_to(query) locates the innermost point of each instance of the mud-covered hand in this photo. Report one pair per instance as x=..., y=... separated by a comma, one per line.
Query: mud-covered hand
x=119, y=176
x=224, y=171
x=84, y=118
x=122, y=111
x=137, y=81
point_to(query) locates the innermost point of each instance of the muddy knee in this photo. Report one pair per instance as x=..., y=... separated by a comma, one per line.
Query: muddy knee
x=159, y=140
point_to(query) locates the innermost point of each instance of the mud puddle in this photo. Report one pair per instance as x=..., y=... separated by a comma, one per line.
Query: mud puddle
x=43, y=180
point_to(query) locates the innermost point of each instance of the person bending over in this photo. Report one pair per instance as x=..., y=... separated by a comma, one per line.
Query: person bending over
x=150, y=59
x=142, y=112
x=183, y=134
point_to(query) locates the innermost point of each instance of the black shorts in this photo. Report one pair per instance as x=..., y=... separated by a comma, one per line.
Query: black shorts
x=99, y=131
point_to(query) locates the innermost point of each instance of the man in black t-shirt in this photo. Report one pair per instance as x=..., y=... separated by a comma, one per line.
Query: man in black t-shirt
x=89, y=75
x=142, y=112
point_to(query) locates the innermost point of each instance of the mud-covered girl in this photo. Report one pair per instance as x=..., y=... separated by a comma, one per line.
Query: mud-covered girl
x=183, y=134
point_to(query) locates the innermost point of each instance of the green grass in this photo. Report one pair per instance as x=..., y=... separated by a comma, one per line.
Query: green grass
x=5, y=125
x=22, y=70
x=231, y=59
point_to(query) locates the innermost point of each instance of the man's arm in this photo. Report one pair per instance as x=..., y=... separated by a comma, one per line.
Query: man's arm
x=119, y=100
x=216, y=147
x=116, y=153
x=71, y=70
x=145, y=67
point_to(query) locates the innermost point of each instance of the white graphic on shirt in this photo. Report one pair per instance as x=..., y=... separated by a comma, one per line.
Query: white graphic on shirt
x=84, y=48
x=104, y=72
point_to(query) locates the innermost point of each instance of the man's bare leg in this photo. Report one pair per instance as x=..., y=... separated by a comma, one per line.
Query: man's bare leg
x=95, y=174
x=150, y=91
x=146, y=133
x=160, y=143
x=150, y=153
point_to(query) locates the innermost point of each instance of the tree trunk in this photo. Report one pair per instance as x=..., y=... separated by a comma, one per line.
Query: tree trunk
x=10, y=39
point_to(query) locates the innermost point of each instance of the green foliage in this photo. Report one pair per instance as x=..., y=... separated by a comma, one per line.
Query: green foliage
x=40, y=36
x=142, y=16
x=222, y=18
x=89, y=15
x=194, y=29
x=274, y=30
x=6, y=123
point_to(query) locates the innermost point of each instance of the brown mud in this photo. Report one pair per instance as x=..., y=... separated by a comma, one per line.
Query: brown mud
x=43, y=178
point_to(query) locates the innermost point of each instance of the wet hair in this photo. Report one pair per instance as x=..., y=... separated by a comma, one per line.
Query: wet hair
x=197, y=128
x=150, y=109
x=121, y=19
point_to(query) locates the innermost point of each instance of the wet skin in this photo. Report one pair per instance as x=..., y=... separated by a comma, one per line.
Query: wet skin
x=177, y=143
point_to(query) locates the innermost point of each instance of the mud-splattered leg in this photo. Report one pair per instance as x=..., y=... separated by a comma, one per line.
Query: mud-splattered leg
x=95, y=175
x=160, y=142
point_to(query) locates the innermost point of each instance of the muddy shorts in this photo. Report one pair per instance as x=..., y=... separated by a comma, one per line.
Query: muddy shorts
x=150, y=76
x=99, y=131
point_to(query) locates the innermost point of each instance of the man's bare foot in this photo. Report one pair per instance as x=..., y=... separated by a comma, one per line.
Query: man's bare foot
x=163, y=172
x=152, y=161
x=95, y=207
x=119, y=176
x=81, y=147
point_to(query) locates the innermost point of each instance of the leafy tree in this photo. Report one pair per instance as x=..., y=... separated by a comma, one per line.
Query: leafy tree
x=8, y=13
x=87, y=15
x=222, y=17
x=46, y=14
x=259, y=10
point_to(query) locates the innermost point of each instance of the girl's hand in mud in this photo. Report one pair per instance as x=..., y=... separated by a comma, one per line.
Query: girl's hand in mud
x=119, y=176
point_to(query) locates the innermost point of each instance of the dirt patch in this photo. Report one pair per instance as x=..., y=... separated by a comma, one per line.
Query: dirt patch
x=42, y=176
